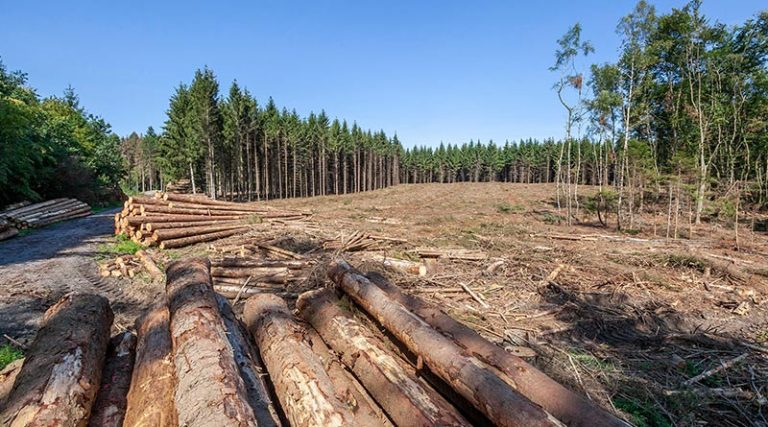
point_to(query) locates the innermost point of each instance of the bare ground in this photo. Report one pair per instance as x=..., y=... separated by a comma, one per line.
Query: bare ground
x=37, y=269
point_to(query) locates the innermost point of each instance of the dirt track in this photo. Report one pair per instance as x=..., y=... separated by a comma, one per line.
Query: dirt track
x=38, y=269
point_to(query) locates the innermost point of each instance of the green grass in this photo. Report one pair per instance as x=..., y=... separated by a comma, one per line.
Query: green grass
x=121, y=246
x=642, y=414
x=8, y=354
x=509, y=208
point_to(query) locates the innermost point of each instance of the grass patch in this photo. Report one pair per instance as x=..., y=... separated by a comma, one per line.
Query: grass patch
x=509, y=208
x=550, y=218
x=642, y=414
x=8, y=354
x=122, y=246
x=593, y=362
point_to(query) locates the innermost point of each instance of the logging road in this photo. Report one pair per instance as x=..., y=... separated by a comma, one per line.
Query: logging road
x=36, y=270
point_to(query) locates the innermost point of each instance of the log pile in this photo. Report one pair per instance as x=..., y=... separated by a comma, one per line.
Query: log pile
x=172, y=220
x=192, y=362
x=182, y=186
x=6, y=230
x=131, y=265
x=41, y=214
x=251, y=275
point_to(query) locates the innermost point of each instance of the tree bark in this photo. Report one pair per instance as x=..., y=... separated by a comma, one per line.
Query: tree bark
x=186, y=241
x=462, y=371
x=175, y=233
x=562, y=403
x=62, y=371
x=250, y=366
x=209, y=389
x=109, y=408
x=304, y=388
x=406, y=399
x=138, y=220
x=150, y=398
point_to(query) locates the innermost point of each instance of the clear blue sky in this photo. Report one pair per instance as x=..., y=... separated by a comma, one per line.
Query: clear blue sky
x=431, y=71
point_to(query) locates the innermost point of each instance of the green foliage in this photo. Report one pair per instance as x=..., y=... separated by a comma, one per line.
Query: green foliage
x=8, y=354
x=52, y=147
x=121, y=246
x=510, y=208
x=642, y=413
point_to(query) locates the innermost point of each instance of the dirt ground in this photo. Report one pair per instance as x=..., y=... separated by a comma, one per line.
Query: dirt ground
x=625, y=319
x=37, y=269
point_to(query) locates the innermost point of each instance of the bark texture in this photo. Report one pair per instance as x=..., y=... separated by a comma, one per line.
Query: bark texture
x=150, y=398
x=209, y=390
x=306, y=392
x=109, y=408
x=464, y=373
x=62, y=371
x=562, y=403
x=184, y=241
x=251, y=368
x=405, y=398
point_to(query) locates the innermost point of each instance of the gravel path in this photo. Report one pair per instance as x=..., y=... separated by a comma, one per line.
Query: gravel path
x=36, y=270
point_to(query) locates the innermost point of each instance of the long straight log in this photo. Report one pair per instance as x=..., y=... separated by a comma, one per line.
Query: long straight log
x=251, y=368
x=209, y=390
x=78, y=213
x=176, y=233
x=304, y=388
x=562, y=403
x=109, y=408
x=235, y=207
x=264, y=274
x=62, y=371
x=153, y=209
x=138, y=220
x=365, y=409
x=406, y=399
x=463, y=372
x=193, y=198
x=150, y=398
x=186, y=241
x=256, y=263
x=232, y=292
x=31, y=208
x=166, y=225
x=140, y=200
x=50, y=210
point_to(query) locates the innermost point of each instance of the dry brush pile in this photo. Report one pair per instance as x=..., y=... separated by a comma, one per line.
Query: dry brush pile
x=193, y=362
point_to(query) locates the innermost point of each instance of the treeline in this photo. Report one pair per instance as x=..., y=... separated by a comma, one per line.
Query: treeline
x=52, y=147
x=232, y=147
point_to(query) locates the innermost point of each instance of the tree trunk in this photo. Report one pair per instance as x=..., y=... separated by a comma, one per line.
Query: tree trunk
x=186, y=241
x=209, y=390
x=175, y=233
x=405, y=398
x=150, y=399
x=464, y=373
x=251, y=369
x=62, y=371
x=562, y=403
x=304, y=388
x=109, y=408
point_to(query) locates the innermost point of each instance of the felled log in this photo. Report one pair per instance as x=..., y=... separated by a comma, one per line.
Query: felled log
x=232, y=291
x=401, y=265
x=462, y=371
x=406, y=399
x=138, y=220
x=259, y=274
x=175, y=233
x=9, y=233
x=460, y=254
x=149, y=265
x=349, y=390
x=150, y=399
x=562, y=403
x=79, y=214
x=209, y=390
x=304, y=388
x=62, y=371
x=7, y=378
x=109, y=408
x=186, y=241
x=251, y=369
x=256, y=263
x=30, y=208
x=154, y=209
x=165, y=225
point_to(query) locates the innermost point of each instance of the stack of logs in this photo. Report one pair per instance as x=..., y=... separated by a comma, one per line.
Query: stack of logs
x=130, y=265
x=244, y=277
x=7, y=230
x=177, y=220
x=41, y=214
x=195, y=363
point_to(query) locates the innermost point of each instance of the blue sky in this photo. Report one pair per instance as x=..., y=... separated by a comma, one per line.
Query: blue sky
x=432, y=71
